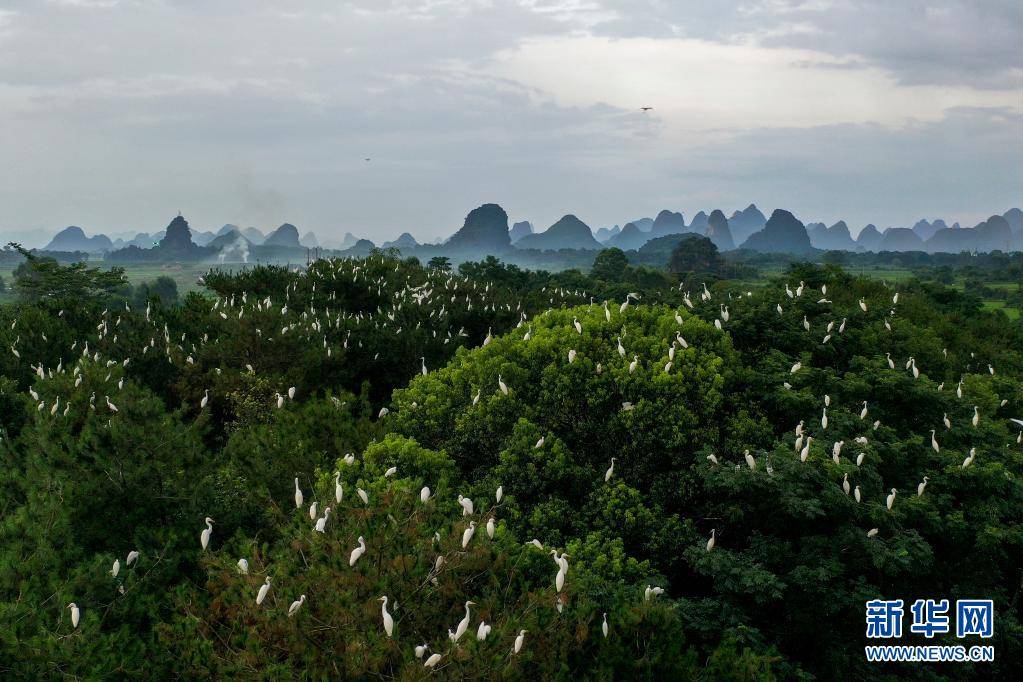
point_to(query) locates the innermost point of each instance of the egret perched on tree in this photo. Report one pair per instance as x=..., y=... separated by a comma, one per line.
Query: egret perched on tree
x=490, y=528
x=501, y=385
x=205, y=399
x=75, y=613
x=363, y=495
x=467, y=505
x=805, y=452
x=463, y=624
x=891, y=499
x=652, y=592
x=499, y=494
x=604, y=628
x=872, y=532
x=321, y=523
x=424, y=494
x=388, y=620
x=116, y=568
x=522, y=633
x=421, y=650
x=750, y=462
x=482, y=631
x=920, y=488
x=263, y=589
x=934, y=442
x=299, y=497
x=204, y=537
x=133, y=556
x=863, y=412
x=432, y=661
x=243, y=566
x=357, y=552
x=713, y=539
x=845, y=483
x=610, y=471
x=338, y=490
x=856, y=494
x=976, y=416
x=295, y=606
x=468, y=533
x=312, y=511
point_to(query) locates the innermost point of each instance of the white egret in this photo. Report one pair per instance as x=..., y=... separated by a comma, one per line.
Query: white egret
x=539, y=443
x=204, y=537
x=421, y=650
x=363, y=495
x=133, y=556
x=424, y=494
x=468, y=533
x=934, y=442
x=263, y=589
x=490, y=528
x=291, y=393
x=499, y=494
x=920, y=488
x=321, y=523
x=299, y=497
x=312, y=511
x=116, y=568
x=463, y=624
x=295, y=606
x=433, y=660
x=872, y=532
x=338, y=490
x=713, y=539
x=750, y=462
x=610, y=471
x=604, y=628
x=890, y=500
x=388, y=620
x=845, y=483
x=390, y=472
x=713, y=459
x=482, y=631
x=357, y=552
x=467, y=506
x=501, y=385
x=633, y=364
x=976, y=416
x=856, y=494
x=75, y=614
x=243, y=566
x=522, y=633
x=836, y=450
x=205, y=399
x=863, y=412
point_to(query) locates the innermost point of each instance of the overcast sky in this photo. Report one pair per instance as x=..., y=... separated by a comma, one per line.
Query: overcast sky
x=115, y=114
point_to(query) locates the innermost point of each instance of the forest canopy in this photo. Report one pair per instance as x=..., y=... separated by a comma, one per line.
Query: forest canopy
x=612, y=475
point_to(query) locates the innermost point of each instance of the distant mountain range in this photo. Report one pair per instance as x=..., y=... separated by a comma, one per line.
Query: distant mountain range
x=485, y=231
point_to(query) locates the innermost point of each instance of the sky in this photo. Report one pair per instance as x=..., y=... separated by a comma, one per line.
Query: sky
x=116, y=114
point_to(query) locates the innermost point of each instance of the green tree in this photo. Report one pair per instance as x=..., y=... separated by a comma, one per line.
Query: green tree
x=40, y=278
x=610, y=265
x=439, y=263
x=695, y=254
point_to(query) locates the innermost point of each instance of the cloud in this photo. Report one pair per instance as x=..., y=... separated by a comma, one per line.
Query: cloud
x=115, y=115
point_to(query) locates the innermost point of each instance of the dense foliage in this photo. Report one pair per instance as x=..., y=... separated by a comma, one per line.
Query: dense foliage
x=128, y=418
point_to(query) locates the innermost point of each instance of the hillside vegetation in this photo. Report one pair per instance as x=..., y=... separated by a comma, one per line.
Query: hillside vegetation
x=628, y=474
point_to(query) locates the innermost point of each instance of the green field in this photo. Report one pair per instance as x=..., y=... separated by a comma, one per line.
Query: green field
x=185, y=274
